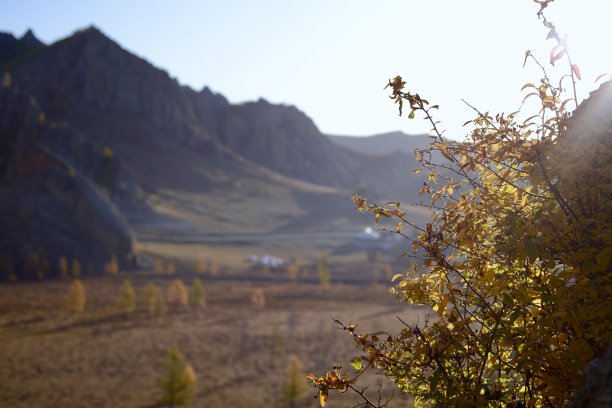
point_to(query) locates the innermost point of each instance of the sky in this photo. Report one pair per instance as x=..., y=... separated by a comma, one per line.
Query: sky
x=332, y=58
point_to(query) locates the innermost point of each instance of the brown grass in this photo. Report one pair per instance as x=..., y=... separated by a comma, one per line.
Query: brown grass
x=107, y=359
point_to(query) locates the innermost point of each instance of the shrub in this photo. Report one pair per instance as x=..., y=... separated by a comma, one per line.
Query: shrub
x=516, y=260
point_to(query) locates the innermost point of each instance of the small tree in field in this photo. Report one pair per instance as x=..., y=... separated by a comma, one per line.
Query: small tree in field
x=323, y=271
x=75, y=268
x=293, y=271
x=127, y=297
x=178, y=381
x=154, y=300
x=177, y=294
x=515, y=261
x=258, y=298
x=197, y=296
x=62, y=267
x=75, y=298
x=112, y=267
x=294, y=386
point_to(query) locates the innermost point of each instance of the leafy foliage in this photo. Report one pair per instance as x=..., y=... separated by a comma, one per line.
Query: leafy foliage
x=515, y=262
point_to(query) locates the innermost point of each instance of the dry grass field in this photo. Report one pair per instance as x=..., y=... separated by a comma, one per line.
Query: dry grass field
x=105, y=358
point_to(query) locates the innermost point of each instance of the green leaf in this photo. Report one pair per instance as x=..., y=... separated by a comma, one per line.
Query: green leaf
x=357, y=364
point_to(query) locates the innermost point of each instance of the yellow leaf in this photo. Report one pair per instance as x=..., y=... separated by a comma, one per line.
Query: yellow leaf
x=323, y=397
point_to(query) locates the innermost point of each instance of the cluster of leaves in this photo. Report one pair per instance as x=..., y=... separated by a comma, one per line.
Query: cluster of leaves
x=515, y=262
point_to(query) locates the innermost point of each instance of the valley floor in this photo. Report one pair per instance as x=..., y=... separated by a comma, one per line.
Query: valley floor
x=105, y=358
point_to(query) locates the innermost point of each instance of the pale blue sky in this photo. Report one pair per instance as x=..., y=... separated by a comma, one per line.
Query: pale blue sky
x=331, y=58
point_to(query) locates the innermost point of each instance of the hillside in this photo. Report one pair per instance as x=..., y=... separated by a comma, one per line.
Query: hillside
x=384, y=143
x=162, y=159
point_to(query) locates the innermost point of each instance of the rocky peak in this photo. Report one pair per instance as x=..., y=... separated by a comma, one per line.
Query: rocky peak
x=12, y=47
x=30, y=41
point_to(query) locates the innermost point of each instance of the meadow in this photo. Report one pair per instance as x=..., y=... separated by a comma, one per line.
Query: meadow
x=239, y=348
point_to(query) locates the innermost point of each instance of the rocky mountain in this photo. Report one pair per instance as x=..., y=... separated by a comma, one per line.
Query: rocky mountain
x=146, y=154
x=12, y=48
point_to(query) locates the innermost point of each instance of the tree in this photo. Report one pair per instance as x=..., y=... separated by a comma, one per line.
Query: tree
x=75, y=298
x=293, y=271
x=294, y=386
x=154, y=300
x=258, y=298
x=112, y=267
x=323, y=271
x=515, y=262
x=62, y=267
x=276, y=348
x=127, y=297
x=178, y=382
x=177, y=294
x=197, y=296
x=75, y=268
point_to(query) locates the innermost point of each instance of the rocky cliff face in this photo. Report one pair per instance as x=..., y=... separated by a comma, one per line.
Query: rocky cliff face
x=88, y=77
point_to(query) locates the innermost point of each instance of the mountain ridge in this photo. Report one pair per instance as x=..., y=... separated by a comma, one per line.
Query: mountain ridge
x=172, y=159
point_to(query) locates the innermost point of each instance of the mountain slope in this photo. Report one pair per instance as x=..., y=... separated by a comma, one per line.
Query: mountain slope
x=177, y=161
x=383, y=143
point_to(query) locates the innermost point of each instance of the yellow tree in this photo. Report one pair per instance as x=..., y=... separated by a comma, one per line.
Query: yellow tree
x=178, y=381
x=75, y=298
x=197, y=296
x=323, y=271
x=294, y=385
x=177, y=294
x=127, y=297
x=154, y=300
x=515, y=262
